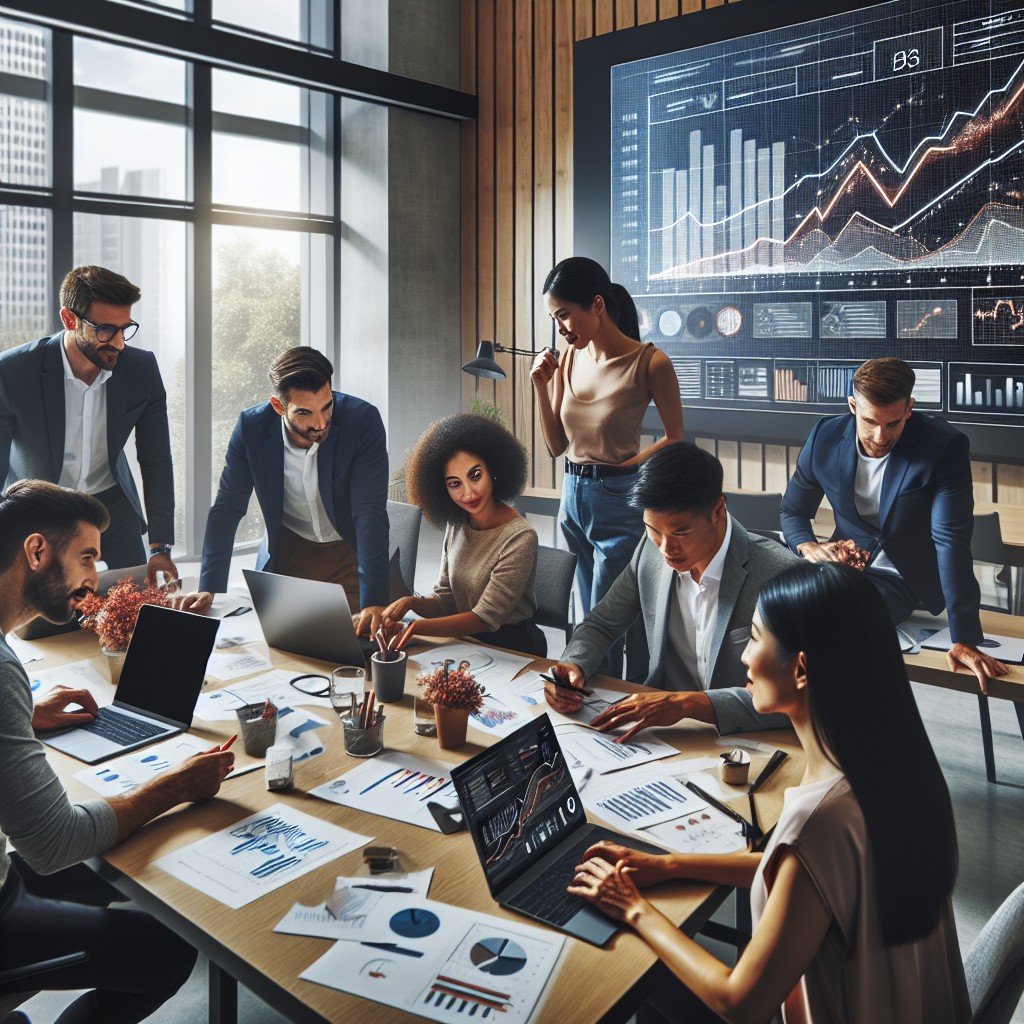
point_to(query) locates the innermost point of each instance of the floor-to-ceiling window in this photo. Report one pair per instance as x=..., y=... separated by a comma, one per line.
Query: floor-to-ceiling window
x=192, y=145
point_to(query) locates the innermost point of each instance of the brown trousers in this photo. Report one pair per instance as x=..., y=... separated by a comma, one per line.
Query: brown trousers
x=333, y=562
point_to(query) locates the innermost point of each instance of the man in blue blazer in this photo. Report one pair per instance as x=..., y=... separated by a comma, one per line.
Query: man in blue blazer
x=695, y=579
x=899, y=483
x=69, y=403
x=319, y=465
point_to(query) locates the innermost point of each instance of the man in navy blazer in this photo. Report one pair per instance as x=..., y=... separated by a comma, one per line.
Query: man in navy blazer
x=899, y=484
x=68, y=404
x=318, y=462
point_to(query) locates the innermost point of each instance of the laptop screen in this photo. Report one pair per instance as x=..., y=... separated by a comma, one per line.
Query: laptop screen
x=166, y=662
x=519, y=801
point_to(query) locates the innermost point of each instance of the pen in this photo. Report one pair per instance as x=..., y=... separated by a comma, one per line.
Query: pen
x=384, y=888
x=717, y=804
x=562, y=684
x=773, y=762
x=584, y=778
x=225, y=746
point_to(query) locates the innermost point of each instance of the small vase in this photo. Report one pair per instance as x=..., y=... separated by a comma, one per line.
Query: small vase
x=451, y=727
x=115, y=662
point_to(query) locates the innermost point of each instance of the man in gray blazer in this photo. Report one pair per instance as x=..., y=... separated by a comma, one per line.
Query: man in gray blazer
x=695, y=578
x=68, y=404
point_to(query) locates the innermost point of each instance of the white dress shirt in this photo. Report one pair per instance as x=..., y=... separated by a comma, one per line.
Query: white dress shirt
x=867, y=494
x=304, y=511
x=692, y=614
x=86, y=465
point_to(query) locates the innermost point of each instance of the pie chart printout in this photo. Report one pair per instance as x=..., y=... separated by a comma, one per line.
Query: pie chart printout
x=498, y=956
x=414, y=924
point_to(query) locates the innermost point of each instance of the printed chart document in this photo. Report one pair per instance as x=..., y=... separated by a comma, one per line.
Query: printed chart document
x=349, y=910
x=220, y=705
x=231, y=664
x=702, y=831
x=79, y=675
x=598, y=701
x=636, y=799
x=447, y=964
x=394, y=785
x=259, y=854
x=491, y=668
x=123, y=774
x=1005, y=648
x=583, y=746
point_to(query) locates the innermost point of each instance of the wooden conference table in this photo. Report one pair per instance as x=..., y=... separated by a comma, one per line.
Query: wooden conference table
x=589, y=984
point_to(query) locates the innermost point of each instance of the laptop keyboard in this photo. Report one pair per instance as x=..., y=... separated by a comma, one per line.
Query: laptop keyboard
x=546, y=897
x=123, y=729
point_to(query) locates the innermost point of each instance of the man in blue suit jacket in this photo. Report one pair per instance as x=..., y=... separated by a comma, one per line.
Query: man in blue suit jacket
x=319, y=465
x=69, y=403
x=899, y=484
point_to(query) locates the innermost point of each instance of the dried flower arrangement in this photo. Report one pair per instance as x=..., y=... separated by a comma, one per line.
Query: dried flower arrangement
x=452, y=688
x=847, y=552
x=112, y=618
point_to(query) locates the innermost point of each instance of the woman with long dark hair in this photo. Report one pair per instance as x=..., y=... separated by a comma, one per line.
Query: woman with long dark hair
x=463, y=472
x=853, y=922
x=592, y=403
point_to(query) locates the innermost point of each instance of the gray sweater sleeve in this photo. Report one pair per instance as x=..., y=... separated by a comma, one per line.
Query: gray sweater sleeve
x=47, y=829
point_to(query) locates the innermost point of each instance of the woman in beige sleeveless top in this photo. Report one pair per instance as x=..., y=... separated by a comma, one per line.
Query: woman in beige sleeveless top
x=592, y=404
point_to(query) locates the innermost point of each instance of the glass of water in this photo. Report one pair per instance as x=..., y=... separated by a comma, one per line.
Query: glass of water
x=347, y=685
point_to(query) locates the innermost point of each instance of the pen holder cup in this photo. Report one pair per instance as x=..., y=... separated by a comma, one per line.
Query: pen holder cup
x=363, y=742
x=389, y=676
x=257, y=731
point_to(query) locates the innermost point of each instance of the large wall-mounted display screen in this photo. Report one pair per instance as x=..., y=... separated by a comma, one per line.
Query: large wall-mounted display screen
x=787, y=204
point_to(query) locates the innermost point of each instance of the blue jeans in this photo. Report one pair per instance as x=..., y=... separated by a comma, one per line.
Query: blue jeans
x=602, y=530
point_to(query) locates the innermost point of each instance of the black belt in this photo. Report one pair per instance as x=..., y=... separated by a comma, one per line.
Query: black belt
x=593, y=469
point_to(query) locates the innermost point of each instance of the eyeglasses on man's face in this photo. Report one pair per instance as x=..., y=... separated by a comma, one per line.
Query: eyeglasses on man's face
x=107, y=332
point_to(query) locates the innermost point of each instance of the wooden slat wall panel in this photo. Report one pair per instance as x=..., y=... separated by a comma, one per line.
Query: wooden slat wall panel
x=729, y=457
x=523, y=302
x=646, y=11
x=517, y=171
x=604, y=17
x=543, y=218
x=468, y=198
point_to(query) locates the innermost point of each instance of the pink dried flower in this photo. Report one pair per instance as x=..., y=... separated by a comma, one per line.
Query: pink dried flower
x=112, y=618
x=452, y=688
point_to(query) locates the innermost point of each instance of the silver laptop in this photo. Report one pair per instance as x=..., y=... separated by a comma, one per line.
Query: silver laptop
x=530, y=830
x=40, y=628
x=306, y=617
x=162, y=676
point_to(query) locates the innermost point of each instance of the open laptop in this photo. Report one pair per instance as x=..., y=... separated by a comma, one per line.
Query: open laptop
x=40, y=628
x=306, y=617
x=162, y=676
x=530, y=829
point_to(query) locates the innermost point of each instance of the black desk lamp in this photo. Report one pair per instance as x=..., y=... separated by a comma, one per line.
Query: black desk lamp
x=485, y=366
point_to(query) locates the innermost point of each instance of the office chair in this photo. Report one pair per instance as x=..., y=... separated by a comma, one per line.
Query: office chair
x=17, y=984
x=994, y=964
x=759, y=513
x=555, y=572
x=403, y=546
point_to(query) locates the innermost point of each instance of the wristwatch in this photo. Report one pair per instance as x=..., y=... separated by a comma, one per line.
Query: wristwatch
x=160, y=549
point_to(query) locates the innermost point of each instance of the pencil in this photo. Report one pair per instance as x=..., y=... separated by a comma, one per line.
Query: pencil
x=225, y=746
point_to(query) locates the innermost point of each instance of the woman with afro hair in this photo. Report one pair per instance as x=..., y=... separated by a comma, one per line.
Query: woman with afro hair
x=463, y=472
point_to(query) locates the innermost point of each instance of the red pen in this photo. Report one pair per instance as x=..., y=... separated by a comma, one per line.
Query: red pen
x=228, y=744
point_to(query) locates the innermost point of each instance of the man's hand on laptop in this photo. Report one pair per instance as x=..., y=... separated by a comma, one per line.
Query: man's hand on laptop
x=197, y=601
x=367, y=621
x=653, y=708
x=984, y=666
x=566, y=699
x=64, y=708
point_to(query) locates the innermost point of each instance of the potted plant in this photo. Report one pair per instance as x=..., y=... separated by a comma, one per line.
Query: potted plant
x=455, y=695
x=112, y=618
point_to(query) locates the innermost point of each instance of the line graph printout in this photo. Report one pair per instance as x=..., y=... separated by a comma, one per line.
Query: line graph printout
x=259, y=854
x=840, y=189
